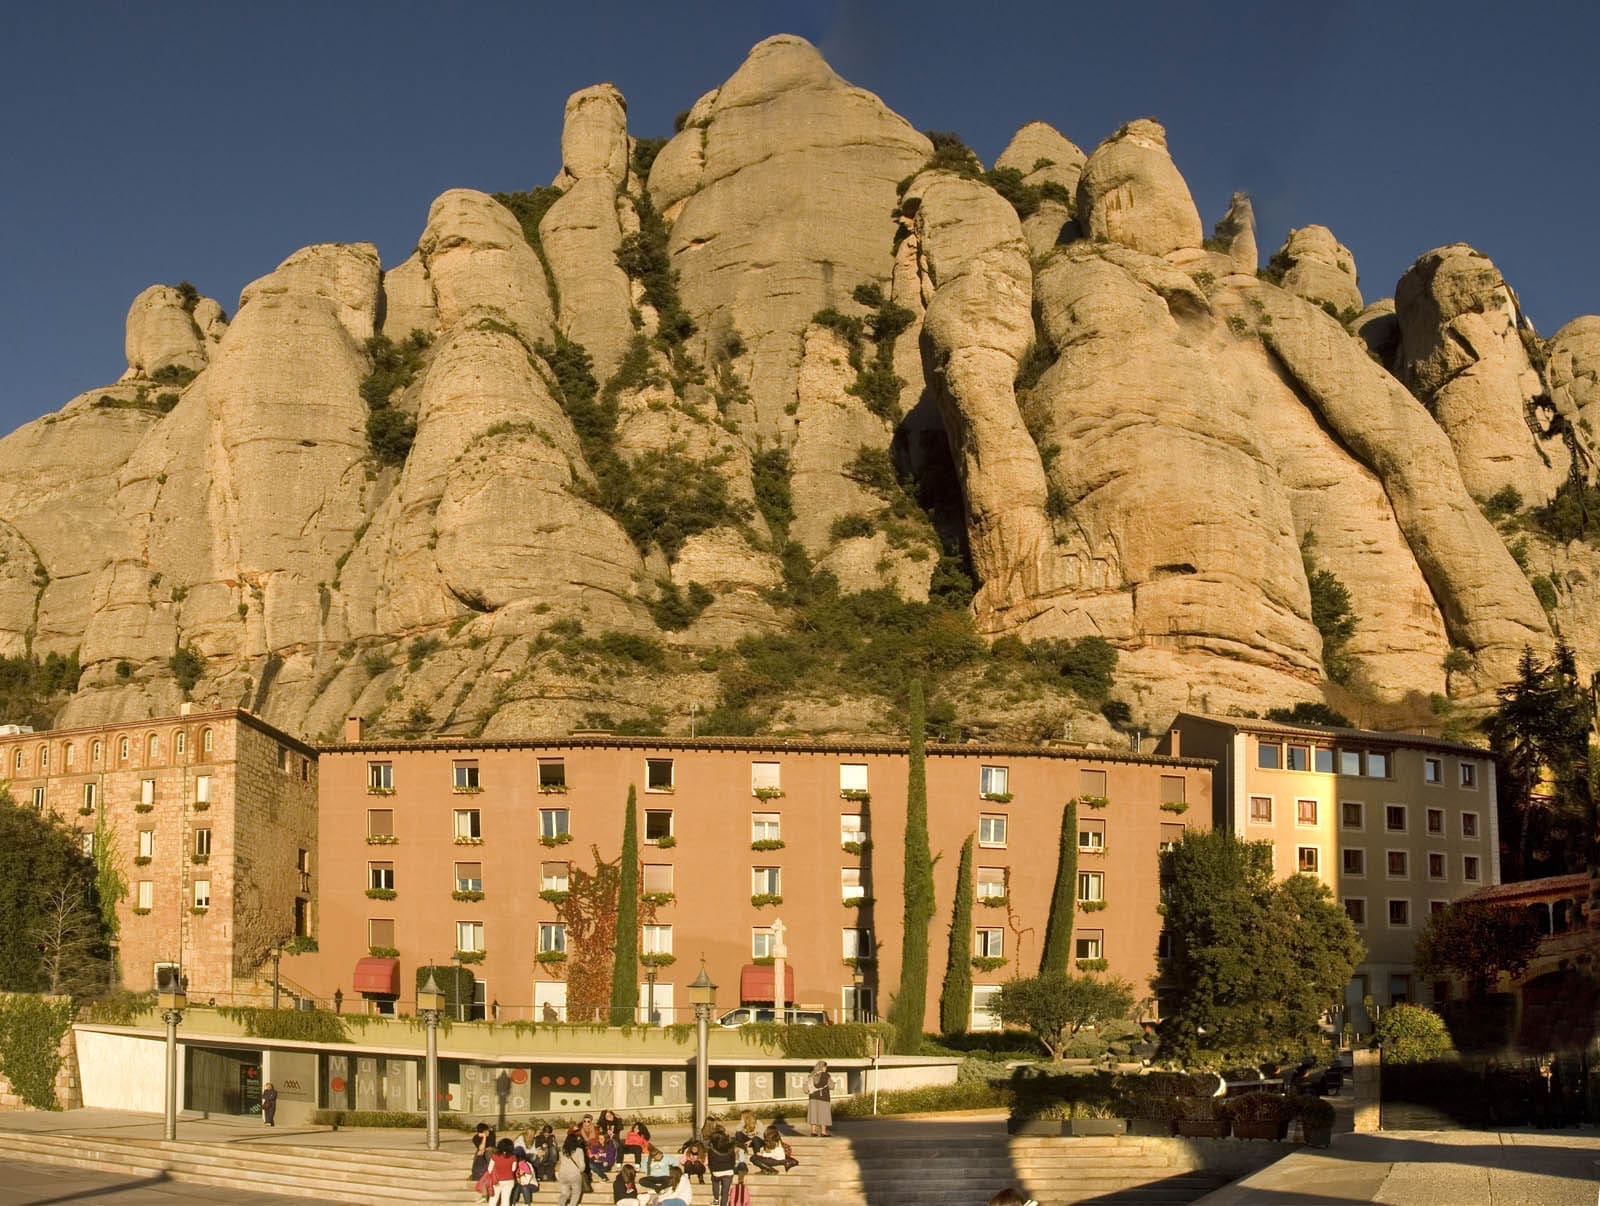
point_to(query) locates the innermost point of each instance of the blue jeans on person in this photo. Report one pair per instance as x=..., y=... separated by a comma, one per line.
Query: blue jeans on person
x=524, y=1193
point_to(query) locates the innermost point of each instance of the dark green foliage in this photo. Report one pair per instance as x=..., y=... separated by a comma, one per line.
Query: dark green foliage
x=296, y=1025
x=876, y=383
x=1085, y=666
x=878, y=387
x=770, y=472
x=1573, y=514
x=1117, y=713
x=1477, y=941
x=529, y=210
x=668, y=497
x=625, y=966
x=848, y=327
x=644, y=257
x=628, y=646
x=955, y=999
x=124, y=670
x=187, y=666
x=1254, y=963
x=1412, y=1034
x=848, y=527
x=848, y=1040
x=31, y=1031
x=1503, y=503
x=1331, y=615
x=390, y=432
x=874, y=469
x=673, y=610
x=1057, y=955
x=454, y=982
x=579, y=391
x=1304, y=712
x=422, y=648
x=963, y=1095
x=46, y=883
x=910, y=1000
x=1054, y=190
x=30, y=689
x=1009, y=184
x=173, y=374
x=1544, y=590
x=1055, y=1006
x=188, y=295
x=951, y=154
x=645, y=151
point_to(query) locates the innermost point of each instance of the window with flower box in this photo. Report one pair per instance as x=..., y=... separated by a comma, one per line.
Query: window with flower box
x=468, y=824
x=469, y=877
x=380, y=776
x=991, y=883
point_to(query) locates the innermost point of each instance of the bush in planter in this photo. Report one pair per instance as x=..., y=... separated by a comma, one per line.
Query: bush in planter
x=1413, y=1034
x=1316, y=1119
x=1202, y=1117
x=1261, y=1115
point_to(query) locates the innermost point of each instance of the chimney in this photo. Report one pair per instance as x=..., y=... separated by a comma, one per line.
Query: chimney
x=185, y=708
x=1174, y=742
x=352, y=728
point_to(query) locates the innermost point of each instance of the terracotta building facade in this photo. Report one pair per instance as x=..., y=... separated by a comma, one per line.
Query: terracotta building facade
x=210, y=818
x=446, y=850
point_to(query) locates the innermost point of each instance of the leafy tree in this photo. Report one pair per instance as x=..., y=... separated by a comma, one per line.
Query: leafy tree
x=910, y=1001
x=625, y=968
x=1413, y=1034
x=1254, y=963
x=1055, y=1006
x=1304, y=712
x=30, y=689
x=955, y=999
x=51, y=928
x=1476, y=941
x=1064, y=901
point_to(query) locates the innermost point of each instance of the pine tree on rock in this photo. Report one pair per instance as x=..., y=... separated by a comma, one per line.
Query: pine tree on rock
x=955, y=1000
x=1058, y=928
x=625, y=969
x=911, y=1000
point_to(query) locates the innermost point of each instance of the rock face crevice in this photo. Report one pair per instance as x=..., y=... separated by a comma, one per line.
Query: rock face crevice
x=1150, y=444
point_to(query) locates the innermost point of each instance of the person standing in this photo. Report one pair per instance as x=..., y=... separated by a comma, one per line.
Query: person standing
x=269, y=1104
x=819, y=1103
x=570, y=1170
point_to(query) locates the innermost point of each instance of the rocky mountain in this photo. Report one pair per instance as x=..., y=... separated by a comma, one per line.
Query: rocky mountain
x=764, y=417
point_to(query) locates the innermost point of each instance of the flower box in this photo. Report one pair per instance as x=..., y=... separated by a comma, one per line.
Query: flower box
x=143, y=807
x=301, y=944
x=1174, y=806
x=384, y=952
x=142, y=861
x=987, y=963
x=466, y=894
x=1091, y=906
x=1093, y=801
x=382, y=839
x=200, y=910
x=560, y=839
x=202, y=805
x=767, y=793
x=1093, y=965
x=553, y=789
x=199, y=860
x=86, y=811
x=554, y=895
x=995, y=902
x=659, y=959
x=666, y=843
x=551, y=957
x=468, y=956
x=766, y=898
x=656, y=898
x=767, y=844
x=858, y=794
x=469, y=841
x=141, y=912
x=997, y=797
x=380, y=893
x=857, y=902
x=380, y=791
x=465, y=791
x=856, y=848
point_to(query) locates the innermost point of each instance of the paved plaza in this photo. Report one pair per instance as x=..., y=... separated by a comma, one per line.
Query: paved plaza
x=23, y=1184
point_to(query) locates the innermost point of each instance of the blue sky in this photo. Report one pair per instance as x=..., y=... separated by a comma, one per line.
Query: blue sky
x=153, y=141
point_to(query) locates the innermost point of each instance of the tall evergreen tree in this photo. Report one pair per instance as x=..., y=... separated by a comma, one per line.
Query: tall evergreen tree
x=956, y=998
x=911, y=1001
x=45, y=877
x=625, y=968
x=1058, y=928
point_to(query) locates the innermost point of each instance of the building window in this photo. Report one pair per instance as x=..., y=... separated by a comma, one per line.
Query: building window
x=1307, y=859
x=1432, y=770
x=1269, y=755
x=1353, y=814
x=857, y=944
x=1469, y=824
x=380, y=822
x=1394, y=818
x=1322, y=759
x=991, y=883
x=552, y=937
x=1350, y=763
x=38, y=798
x=202, y=842
x=1355, y=862
x=766, y=827
x=1090, y=944
x=850, y=829
x=1437, y=906
x=469, y=935
x=552, y=772
x=1305, y=812
x=147, y=791
x=991, y=830
x=202, y=789
x=465, y=778
x=658, y=774
x=123, y=748
x=1435, y=865
x=380, y=933
x=657, y=824
x=145, y=895
x=983, y=1002
x=380, y=876
x=147, y=843
x=856, y=1003
x=1356, y=910
x=761, y=942
x=1436, y=820
x=1092, y=837
x=380, y=776
x=556, y=877
x=469, y=823
x=96, y=752
x=1469, y=774
x=1092, y=783
x=1170, y=835
x=1297, y=757
x=86, y=842
x=1469, y=868
x=766, y=881
x=852, y=776
x=202, y=893
x=1399, y=912
x=656, y=940
x=152, y=751
x=553, y=823
x=469, y=878
x=180, y=744
x=989, y=942
x=207, y=741
x=1399, y=864
x=764, y=776
x=1377, y=764
x=1261, y=810
x=850, y=885
x=1091, y=885
x=1172, y=788
x=657, y=877
x=992, y=780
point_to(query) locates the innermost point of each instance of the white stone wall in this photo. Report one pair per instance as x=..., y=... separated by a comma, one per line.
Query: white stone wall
x=123, y=1071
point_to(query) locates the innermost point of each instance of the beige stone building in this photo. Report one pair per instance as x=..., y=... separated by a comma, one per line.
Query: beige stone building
x=211, y=818
x=1396, y=824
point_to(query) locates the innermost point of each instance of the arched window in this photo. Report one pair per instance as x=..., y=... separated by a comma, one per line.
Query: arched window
x=180, y=742
x=205, y=740
x=152, y=749
x=95, y=751
x=71, y=756
x=16, y=761
x=44, y=758
x=122, y=750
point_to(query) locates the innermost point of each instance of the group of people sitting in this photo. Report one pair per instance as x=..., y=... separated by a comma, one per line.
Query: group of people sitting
x=509, y=1170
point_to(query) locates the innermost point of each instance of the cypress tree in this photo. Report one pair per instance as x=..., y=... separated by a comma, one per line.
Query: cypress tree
x=911, y=1000
x=1058, y=929
x=625, y=970
x=955, y=1000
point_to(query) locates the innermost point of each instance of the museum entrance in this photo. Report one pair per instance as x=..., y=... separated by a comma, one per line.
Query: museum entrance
x=222, y=1080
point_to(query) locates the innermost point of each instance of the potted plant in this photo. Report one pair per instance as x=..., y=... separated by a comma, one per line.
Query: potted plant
x=1316, y=1120
x=1091, y=1118
x=1260, y=1115
x=1041, y=1120
x=1202, y=1118
x=1150, y=1113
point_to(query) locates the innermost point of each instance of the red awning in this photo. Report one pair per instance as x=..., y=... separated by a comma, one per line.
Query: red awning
x=377, y=975
x=756, y=982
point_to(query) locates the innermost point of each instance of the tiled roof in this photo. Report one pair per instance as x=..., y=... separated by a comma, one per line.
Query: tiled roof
x=1251, y=724
x=1535, y=889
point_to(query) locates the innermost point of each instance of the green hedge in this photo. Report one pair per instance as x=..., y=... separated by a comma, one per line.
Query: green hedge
x=303, y=1025
x=31, y=1029
x=963, y=1095
x=848, y=1040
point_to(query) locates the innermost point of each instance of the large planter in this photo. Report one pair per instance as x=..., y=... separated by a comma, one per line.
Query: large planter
x=1151, y=1127
x=1191, y=1128
x=1243, y=1129
x=1095, y=1126
x=1319, y=1136
x=1042, y=1127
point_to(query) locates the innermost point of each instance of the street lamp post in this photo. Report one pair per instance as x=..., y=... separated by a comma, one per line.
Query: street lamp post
x=172, y=1000
x=430, y=1002
x=702, y=995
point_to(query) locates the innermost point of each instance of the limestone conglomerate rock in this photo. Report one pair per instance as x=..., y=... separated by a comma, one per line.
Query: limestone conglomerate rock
x=481, y=266
x=594, y=135
x=1574, y=373
x=1043, y=154
x=1462, y=353
x=343, y=273
x=580, y=235
x=162, y=334
x=1132, y=193
x=408, y=300
x=1236, y=232
x=1378, y=326
x=1319, y=268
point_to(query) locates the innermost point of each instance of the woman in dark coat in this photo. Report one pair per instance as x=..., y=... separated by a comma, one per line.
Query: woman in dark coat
x=269, y=1104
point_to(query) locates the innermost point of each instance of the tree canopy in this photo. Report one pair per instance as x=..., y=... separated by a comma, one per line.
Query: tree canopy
x=1476, y=941
x=1055, y=1006
x=1254, y=963
x=52, y=935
